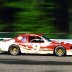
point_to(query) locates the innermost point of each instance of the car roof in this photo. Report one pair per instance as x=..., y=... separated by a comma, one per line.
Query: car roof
x=31, y=35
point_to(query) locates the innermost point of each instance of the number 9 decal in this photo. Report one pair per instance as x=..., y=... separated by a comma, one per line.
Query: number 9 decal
x=36, y=47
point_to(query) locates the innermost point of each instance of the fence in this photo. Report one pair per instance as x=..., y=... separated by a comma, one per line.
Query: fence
x=50, y=35
x=53, y=36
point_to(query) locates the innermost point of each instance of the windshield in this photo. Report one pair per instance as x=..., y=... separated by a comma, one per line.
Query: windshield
x=45, y=37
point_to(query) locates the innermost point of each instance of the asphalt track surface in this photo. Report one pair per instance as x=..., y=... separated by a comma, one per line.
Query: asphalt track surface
x=35, y=63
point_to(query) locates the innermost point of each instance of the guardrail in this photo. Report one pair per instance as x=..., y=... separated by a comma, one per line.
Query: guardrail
x=58, y=40
x=50, y=35
x=53, y=36
x=63, y=40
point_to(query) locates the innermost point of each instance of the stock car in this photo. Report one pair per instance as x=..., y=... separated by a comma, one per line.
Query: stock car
x=35, y=44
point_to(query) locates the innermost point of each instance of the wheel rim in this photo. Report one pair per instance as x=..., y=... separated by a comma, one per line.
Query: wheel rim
x=60, y=52
x=14, y=51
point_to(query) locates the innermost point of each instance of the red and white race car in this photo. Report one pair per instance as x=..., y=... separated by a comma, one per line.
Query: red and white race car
x=35, y=44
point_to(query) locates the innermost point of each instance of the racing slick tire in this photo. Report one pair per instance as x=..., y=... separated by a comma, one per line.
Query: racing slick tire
x=60, y=51
x=14, y=49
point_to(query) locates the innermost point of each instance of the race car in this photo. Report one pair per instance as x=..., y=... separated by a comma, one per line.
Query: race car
x=35, y=44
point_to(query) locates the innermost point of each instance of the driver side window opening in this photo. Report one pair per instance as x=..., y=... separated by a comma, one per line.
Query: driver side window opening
x=35, y=39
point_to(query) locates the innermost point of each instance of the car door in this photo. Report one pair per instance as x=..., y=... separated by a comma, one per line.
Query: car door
x=35, y=43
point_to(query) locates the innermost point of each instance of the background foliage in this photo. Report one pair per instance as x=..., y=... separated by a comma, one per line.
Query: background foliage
x=37, y=16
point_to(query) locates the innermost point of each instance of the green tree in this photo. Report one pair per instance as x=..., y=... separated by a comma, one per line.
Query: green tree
x=41, y=16
x=28, y=15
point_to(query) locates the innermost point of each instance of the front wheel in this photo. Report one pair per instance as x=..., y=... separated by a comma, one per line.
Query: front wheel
x=14, y=50
x=60, y=51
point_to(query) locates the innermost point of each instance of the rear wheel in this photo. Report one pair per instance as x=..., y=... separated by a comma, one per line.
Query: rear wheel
x=14, y=50
x=60, y=51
